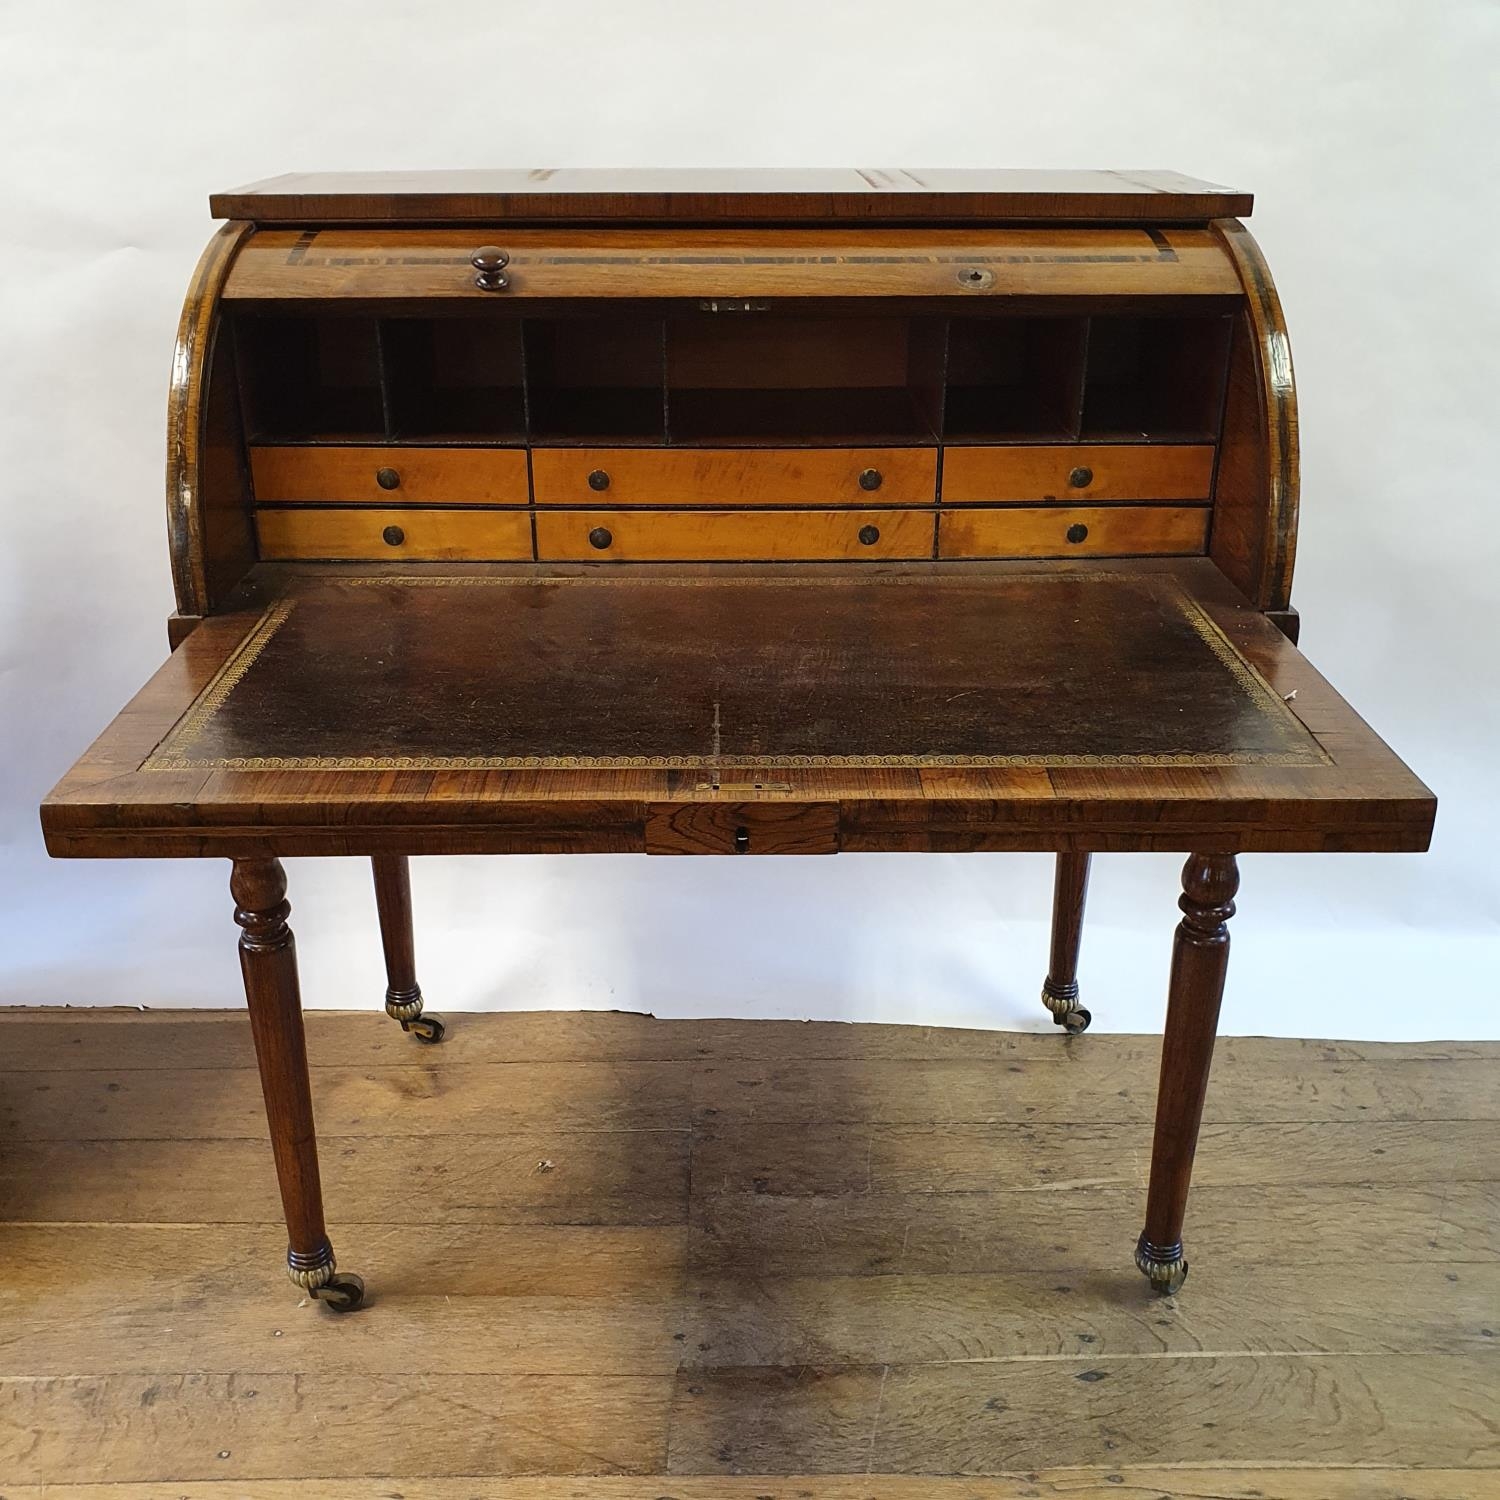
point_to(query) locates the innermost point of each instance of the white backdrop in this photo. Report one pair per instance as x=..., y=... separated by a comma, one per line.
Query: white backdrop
x=1368, y=132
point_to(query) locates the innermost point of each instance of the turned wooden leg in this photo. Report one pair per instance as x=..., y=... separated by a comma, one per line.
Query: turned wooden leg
x=1200, y=957
x=403, y=995
x=268, y=957
x=1070, y=889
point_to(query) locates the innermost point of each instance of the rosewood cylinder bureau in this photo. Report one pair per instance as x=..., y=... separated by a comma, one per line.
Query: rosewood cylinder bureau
x=732, y=514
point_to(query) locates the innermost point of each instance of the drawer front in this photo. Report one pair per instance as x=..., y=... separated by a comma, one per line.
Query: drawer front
x=735, y=476
x=742, y=828
x=732, y=536
x=1133, y=471
x=395, y=535
x=1075, y=531
x=416, y=476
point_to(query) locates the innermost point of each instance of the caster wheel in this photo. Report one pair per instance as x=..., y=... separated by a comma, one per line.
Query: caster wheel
x=1076, y=1021
x=1170, y=1285
x=1165, y=1267
x=426, y=1029
x=342, y=1294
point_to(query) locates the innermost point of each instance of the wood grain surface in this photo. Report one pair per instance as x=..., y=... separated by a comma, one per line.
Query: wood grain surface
x=414, y=475
x=716, y=194
x=434, y=264
x=1092, y=472
x=612, y=1258
x=732, y=535
x=734, y=477
x=1155, y=1482
x=418, y=534
x=1074, y=531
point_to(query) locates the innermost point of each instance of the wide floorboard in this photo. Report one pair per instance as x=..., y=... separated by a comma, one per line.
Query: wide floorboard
x=613, y=1258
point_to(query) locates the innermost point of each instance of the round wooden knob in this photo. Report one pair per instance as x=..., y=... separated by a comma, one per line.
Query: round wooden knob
x=388, y=479
x=601, y=537
x=599, y=479
x=393, y=536
x=489, y=262
x=1080, y=477
x=1077, y=532
x=869, y=535
x=870, y=479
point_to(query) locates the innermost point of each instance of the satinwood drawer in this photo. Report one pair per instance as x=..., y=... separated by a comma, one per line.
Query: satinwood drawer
x=391, y=476
x=1075, y=531
x=742, y=828
x=735, y=476
x=1124, y=471
x=427, y=535
x=732, y=536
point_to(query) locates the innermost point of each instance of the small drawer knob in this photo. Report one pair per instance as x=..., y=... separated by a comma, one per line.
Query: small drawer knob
x=1077, y=532
x=393, y=536
x=1081, y=477
x=869, y=535
x=599, y=479
x=870, y=479
x=388, y=479
x=601, y=537
x=489, y=262
x=741, y=840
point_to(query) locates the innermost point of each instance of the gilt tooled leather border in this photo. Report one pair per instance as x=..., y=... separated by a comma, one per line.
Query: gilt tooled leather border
x=174, y=753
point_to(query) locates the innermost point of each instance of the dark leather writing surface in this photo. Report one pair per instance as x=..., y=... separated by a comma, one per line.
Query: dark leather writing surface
x=452, y=671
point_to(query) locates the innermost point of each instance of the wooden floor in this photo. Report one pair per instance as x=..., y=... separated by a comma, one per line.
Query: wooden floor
x=612, y=1258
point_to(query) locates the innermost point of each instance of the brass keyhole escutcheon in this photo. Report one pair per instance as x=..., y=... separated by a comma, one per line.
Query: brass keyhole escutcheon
x=393, y=536
x=1081, y=477
x=388, y=479
x=601, y=537
x=741, y=840
x=489, y=262
x=1077, y=532
x=871, y=479
x=599, y=479
x=869, y=535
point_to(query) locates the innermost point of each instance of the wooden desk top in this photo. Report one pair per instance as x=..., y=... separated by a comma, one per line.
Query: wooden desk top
x=355, y=710
x=721, y=196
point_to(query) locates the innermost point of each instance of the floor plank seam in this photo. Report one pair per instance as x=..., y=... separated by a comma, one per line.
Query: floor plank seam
x=690, y=1372
x=885, y=1377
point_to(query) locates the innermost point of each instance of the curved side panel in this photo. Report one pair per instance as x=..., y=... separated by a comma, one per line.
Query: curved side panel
x=193, y=447
x=1256, y=494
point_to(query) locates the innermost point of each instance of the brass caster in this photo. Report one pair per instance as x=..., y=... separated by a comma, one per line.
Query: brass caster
x=343, y=1292
x=1170, y=1283
x=1062, y=1001
x=1163, y=1266
x=426, y=1029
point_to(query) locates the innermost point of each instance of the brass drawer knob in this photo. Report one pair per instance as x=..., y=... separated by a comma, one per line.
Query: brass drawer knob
x=870, y=479
x=489, y=262
x=869, y=535
x=1081, y=477
x=388, y=479
x=599, y=479
x=1077, y=532
x=393, y=536
x=601, y=537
